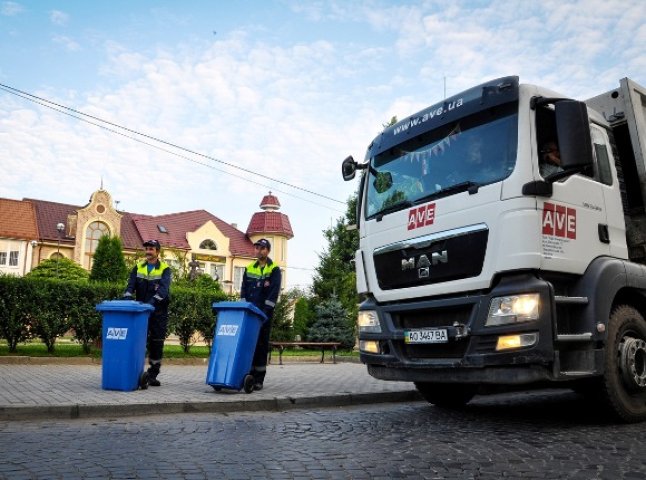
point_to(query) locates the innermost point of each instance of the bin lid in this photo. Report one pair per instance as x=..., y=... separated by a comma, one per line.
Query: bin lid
x=239, y=306
x=123, y=306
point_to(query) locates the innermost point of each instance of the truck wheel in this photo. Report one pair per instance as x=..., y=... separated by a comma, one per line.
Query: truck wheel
x=446, y=395
x=623, y=387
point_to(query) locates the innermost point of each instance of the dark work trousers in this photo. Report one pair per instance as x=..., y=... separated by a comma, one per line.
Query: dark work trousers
x=259, y=364
x=157, y=326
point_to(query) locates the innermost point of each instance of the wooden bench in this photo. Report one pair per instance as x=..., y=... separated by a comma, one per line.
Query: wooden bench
x=322, y=345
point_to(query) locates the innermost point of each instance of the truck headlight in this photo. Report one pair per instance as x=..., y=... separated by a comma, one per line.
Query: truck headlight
x=368, y=322
x=513, y=309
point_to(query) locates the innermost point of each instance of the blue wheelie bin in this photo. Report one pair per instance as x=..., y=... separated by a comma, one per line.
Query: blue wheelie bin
x=125, y=327
x=234, y=343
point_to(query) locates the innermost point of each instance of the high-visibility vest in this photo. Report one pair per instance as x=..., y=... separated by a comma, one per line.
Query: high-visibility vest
x=155, y=273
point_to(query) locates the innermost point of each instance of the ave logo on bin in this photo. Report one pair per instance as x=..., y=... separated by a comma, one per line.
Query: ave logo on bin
x=116, y=333
x=227, y=330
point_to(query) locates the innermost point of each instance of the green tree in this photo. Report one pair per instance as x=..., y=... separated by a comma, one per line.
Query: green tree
x=304, y=316
x=108, y=264
x=335, y=275
x=61, y=268
x=331, y=324
x=282, y=328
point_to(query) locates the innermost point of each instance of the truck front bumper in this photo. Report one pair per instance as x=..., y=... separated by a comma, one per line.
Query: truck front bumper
x=470, y=355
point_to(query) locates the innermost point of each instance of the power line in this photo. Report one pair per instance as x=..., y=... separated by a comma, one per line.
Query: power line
x=175, y=153
x=48, y=103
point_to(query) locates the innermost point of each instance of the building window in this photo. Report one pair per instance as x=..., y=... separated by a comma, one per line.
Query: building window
x=9, y=253
x=217, y=271
x=208, y=244
x=94, y=232
x=238, y=272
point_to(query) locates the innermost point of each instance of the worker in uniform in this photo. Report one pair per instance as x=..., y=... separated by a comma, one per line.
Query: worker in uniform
x=260, y=286
x=149, y=282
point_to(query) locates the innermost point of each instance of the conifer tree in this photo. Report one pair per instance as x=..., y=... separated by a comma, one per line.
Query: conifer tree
x=332, y=324
x=109, y=264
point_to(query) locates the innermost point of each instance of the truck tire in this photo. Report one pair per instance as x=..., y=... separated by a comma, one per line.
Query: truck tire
x=623, y=385
x=446, y=395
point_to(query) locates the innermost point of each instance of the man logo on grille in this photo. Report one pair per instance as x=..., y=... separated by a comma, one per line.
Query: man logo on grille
x=424, y=264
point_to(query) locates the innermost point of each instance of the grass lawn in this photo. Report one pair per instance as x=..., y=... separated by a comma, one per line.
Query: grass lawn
x=67, y=348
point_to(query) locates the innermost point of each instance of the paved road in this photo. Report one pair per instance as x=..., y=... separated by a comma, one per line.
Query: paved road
x=71, y=391
x=539, y=435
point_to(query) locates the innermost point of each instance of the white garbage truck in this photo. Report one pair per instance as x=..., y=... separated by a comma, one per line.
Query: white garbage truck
x=502, y=237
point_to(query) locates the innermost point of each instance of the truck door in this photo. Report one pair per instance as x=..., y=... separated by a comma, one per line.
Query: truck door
x=604, y=166
x=574, y=220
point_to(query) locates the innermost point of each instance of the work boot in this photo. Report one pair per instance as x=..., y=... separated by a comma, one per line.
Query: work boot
x=153, y=371
x=257, y=386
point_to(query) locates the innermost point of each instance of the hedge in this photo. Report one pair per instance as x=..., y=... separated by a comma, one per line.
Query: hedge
x=48, y=308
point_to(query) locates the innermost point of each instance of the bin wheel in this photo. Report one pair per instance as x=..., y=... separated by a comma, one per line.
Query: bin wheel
x=248, y=383
x=217, y=389
x=143, y=381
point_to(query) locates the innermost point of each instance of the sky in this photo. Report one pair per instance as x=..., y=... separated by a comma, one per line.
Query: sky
x=284, y=90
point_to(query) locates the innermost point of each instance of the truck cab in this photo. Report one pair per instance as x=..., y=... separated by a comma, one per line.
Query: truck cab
x=493, y=249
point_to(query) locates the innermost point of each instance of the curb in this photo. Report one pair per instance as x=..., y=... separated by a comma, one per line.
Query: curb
x=275, y=404
x=24, y=360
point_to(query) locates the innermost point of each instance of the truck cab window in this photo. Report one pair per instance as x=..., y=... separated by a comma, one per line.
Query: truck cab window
x=549, y=156
x=477, y=150
x=601, y=154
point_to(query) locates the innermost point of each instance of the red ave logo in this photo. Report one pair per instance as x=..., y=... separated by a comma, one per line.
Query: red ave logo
x=559, y=221
x=421, y=216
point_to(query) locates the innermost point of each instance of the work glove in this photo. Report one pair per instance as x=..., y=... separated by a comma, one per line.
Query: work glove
x=127, y=296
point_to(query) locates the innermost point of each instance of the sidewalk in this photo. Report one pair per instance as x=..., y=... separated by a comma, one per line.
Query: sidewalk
x=72, y=391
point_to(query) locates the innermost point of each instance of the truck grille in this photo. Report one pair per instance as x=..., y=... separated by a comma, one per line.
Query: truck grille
x=431, y=318
x=431, y=259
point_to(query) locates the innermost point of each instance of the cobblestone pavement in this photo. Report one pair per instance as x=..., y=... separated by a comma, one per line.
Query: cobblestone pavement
x=71, y=391
x=539, y=435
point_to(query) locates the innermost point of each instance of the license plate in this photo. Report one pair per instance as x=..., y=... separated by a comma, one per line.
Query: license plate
x=426, y=335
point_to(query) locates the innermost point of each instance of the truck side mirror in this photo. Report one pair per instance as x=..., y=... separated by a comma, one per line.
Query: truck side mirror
x=573, y=130
x=348, y=168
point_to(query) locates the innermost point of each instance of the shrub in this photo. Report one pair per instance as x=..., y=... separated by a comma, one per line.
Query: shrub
x=59, y=268
x=14, y=321
x=48, y=308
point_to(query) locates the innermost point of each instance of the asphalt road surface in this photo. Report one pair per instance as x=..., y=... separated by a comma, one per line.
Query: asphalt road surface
x=546, y=435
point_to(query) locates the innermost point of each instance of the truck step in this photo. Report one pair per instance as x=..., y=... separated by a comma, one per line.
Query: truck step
x=574, y=337
x=574, y=373
x=571, y=300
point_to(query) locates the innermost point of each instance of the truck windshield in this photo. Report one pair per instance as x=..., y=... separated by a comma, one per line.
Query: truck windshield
x=472, y=152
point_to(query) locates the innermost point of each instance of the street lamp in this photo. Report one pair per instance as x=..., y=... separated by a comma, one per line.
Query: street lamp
x=59, y=227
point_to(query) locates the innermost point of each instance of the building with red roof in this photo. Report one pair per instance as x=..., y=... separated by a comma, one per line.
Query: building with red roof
x=72, y=231
x=18, y=236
